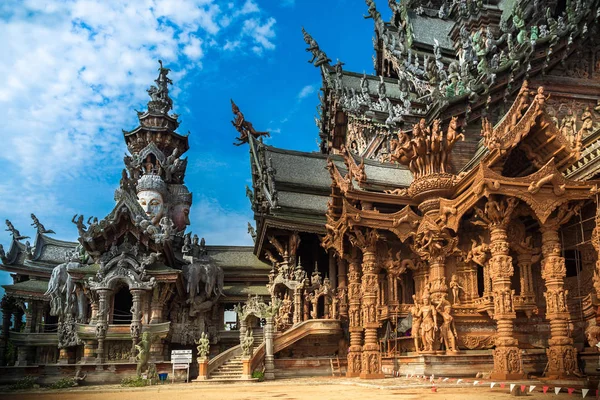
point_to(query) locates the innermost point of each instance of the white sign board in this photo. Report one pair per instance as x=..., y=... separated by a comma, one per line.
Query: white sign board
x=181, y=359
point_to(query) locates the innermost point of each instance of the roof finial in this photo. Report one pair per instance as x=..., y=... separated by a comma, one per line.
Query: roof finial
x=319, y=57
x=159, y=95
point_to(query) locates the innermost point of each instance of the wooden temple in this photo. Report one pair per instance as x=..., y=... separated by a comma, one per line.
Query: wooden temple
x=447, y=225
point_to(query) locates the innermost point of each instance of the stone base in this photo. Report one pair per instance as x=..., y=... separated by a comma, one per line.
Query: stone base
x=202, y=370
x=501, y=376
x=352, y=374
x=467, y=363
x=364, y=375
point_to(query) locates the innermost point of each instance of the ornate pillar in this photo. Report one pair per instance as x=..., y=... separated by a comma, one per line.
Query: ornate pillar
x=29, y=317
x=136, y=318
x=371, y=357
x=341, y=268
x=562, y=356
x=101, y=323
x=332, y=269
x=507, y=357
x=6, y=306
x=355, y=327
x=420, y=276
x=269, y=364
x=297, y=305
x=39, y=317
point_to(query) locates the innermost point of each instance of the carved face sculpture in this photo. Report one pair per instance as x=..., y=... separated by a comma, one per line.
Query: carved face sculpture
x=181, y=216
x=153, y=204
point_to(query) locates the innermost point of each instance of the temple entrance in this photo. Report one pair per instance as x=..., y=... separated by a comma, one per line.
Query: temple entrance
x=122, y=305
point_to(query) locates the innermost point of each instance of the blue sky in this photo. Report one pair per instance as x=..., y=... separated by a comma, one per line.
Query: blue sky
x=74, y=71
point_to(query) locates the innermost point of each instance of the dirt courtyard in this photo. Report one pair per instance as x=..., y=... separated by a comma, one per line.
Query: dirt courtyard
x=291, y=389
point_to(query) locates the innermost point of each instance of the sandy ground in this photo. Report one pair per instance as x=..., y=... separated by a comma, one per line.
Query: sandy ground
x=293, y=389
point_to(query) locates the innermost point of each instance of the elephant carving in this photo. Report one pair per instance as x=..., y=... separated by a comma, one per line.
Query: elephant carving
x=203, y=271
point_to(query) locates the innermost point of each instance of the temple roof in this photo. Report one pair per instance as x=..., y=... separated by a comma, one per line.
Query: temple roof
x=32, y=286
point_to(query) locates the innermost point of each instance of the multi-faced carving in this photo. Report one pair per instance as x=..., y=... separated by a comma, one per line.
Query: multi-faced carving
x=151, y=193
x=182, y=201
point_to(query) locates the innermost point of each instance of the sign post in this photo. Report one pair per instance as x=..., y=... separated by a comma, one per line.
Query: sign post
x=181, y=359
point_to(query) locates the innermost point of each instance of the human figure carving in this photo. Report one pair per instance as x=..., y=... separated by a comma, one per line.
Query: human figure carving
x=416, y=323
x=244, y=127
x=429, y=327
x=455, y=287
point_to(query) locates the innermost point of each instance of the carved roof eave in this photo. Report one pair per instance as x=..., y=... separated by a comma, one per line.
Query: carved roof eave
x=402, y=223
x=14, y=253
x=182, y=140
x=42, y=240
x=543, y=190
x=268, y=223
x=348, y=190
x=118, y=226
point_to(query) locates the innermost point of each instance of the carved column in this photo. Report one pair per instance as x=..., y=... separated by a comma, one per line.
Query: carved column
x=39, y=317
x=355, y=327
x=29, y=317
x=342, y=281
x=297, y=305
x=507, y=357
x=562, y=356
x=342, y=288
x=136, y=318
x=101, y=323
x=420, y=276
x=371, y=357
x=269, y=364
x=332, y=269
x=6, y=315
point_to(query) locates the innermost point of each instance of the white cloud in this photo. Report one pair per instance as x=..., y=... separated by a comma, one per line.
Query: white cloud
x=220, y=226
x=306, y=91
x=74, y=69
x=261, y=33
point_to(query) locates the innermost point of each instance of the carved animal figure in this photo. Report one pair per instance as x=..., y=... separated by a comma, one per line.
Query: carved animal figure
x=203, y=271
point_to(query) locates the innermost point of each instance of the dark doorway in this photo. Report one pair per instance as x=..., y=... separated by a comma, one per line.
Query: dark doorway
x=122, y=307
x=480, y=281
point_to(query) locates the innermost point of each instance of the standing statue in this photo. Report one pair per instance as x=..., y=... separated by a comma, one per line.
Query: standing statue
x=203, y=346
x=416, y=323
x=15, y=233
x=143, y=353
x=429, y=327
x=247, y=344
x=38, y=225
x=447, y=330
x=455, y=286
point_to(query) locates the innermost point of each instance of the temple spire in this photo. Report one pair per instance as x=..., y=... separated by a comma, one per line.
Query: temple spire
x=160, y=102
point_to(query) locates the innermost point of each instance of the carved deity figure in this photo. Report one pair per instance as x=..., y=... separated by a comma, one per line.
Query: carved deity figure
x=203, y=346
x=247, y=344
x=455, y=286
x=447, y=330
x=428, y=314
x=416, y=323
x=151, y=193
x=143, y=352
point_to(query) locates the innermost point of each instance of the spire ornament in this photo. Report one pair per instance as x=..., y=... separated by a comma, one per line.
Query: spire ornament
x=160, y=101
